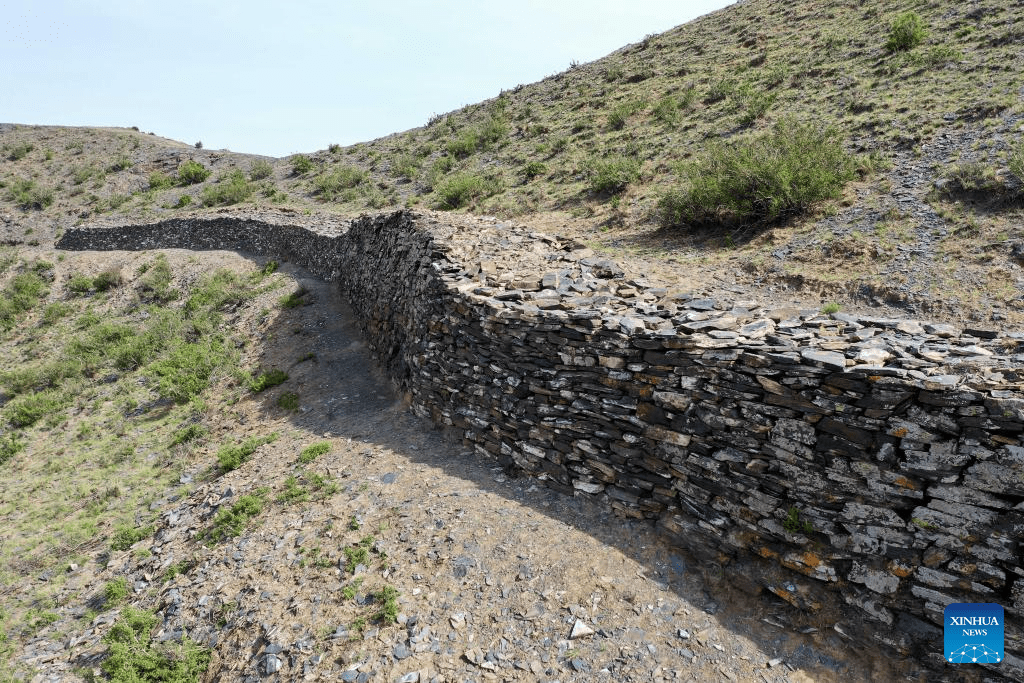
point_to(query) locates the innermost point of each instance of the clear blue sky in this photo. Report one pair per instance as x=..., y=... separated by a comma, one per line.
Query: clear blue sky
x=276, y=78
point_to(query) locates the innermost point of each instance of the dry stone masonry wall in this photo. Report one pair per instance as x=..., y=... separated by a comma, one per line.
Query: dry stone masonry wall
x=857, y=466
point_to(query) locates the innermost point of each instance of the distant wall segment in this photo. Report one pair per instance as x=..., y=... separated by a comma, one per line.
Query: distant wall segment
x=867, y=469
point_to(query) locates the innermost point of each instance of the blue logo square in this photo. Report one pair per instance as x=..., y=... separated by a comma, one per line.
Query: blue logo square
x=973, y=633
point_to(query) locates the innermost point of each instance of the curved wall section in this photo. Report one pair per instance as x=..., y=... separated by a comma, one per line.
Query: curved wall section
x=872, y=483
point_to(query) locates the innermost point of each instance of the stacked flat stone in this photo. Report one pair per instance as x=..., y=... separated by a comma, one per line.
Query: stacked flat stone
x=870, y=468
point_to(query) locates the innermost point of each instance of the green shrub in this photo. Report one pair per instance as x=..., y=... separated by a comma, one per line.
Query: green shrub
x=462, y=188
x=116, y=201
x=314, y=451
x=329, y=185
x=158, y=180
x=406, y=166
x=108, y=279
x=187, y=368
x=27, y=195
x=26, y=410
x=534, y=169
x=288, y=401
x=20, y=296
x=155, y=284
x=666, y=111
x=620, y=114
x=192, y=172
x=760, y=179
x=973, y=176
x=906, y=32
x=229, y=522
x=20, y=151
x=301, y=164
x=55, y=311
x=478, y=138
x=133, y=657
x=830, y=308
x=120, y=163
x=183, y=201
x=80, y=284
x=260, y=169
x=610, y=176
x=82, y=173
x=232, y=457
x=231, y=189
x=116, y=591
x=270, y=378
x=126, y=536
x=189, y=433
x=296, y=299
x=388, y=599
x=10, y=446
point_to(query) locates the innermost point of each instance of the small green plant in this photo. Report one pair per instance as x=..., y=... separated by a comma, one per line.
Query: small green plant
x=108, y=279
x=79, y=284
x=26, y=194
x=922, y=523
x=534, y=169
x=761, y=179
x=192, y=172
x=293, y=492
x=314, y=451
x=233, y=456
x=331, y=184
x=188, y=434
x=120, y=163
x=288, y=401
x=10, y=446
x=231, y=189
x=260, y=169
x=830, y=308
x=177, y=568
x=20, y=151
x=133, y=657
x=155, y=283
x=158, y=180
x=269, y=268
x=301, y=164
x=387, y=596
x=612, y=175
x=906, y=32
x=296, y=299
x=27, y=409
x=268, y=379
x=358, y=554
x=350, y=591
x=230, y=522
x=126, y=536
x=21, y=295
x=794, y=525
x=460, y=189
x=115, y=591
x=666, y=111
x=183, y=201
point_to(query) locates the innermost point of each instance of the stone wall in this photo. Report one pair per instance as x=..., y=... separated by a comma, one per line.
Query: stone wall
x=866, y=469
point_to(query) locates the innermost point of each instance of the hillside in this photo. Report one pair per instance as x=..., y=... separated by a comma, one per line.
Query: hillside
x=135, y=388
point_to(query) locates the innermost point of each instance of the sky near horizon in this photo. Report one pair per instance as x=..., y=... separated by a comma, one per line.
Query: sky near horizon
x=274, y=78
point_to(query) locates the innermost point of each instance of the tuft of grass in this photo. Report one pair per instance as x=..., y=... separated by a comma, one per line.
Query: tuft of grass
x=350, y=591
x=189, y=433
x=612, y=175
x=301, y=164
x=760, y=179
x=288, y=401
x=260, y=169
x=906, y=32
x=27, y=409
x=21, y=295
x=268, y=379
x=230, y=522
x=20, y=151
x=830, y=308
x=126, y=536
x=314, y=451
x=158, y=180
x=461, y=189
x=296, y=299
x=387, y=596
x=231, y=189
x=191, y=172
x=10, y=446
x=115, y=591
x=534, y=169
x=133, y=657
x=27, y=195
x=232, y=457
x=155, y=284
x=331, y=184
x=358, y=554
x=108, y=279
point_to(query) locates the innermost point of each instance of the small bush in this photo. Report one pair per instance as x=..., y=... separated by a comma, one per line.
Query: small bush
x=388, y=599
x=116, y=591
x=192, y=172
x=288, y=401
x=461, y=189
x=265, y=380
x=330, y=185
x=120, y=163
x=534, y=169
x=190, y=433
x=260, y=169
x=26, y=410
x=126, y=536
x=612, y=175
x=20, y=151
x=27, y=195
x=183, y=201
x=620, y=114
x=666, y=111
x=830, y=308
x=80, y=284
x=155, y=284
x=232, y=457
x=406, y=166
x=108, y=279
x=301, y=164
x=231, y=189
x=761, y=179
x=296, y=299
x=20, y=296
x=55, y=311
x=230, y=522
x=906, y=32
x=10, y=446
x=187, y=368
x=132, y=656
x=158, y=180
x=314, y=451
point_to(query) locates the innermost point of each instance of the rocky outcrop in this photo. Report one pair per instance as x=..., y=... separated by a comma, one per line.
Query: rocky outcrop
x=869, y=467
